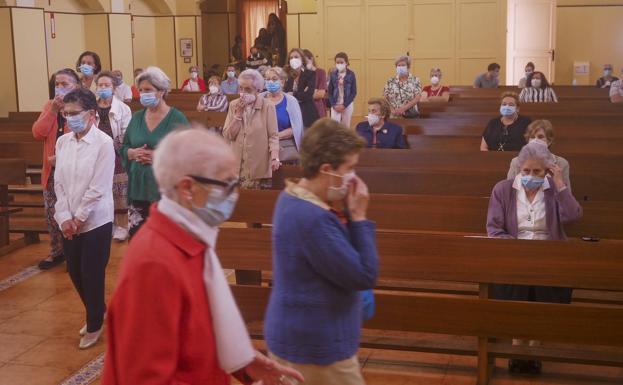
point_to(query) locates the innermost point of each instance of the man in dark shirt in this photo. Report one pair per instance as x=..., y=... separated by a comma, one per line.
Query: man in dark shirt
x=256, y=59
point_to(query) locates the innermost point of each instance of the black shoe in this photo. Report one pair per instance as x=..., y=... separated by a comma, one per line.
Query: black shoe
x=517, y=366
x=534, y=367
x=47, y=265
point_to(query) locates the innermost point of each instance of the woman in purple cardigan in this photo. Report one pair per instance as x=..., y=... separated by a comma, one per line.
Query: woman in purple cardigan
x=533, y=206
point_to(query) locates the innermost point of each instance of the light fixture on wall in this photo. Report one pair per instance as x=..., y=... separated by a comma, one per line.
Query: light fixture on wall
x=52, y=26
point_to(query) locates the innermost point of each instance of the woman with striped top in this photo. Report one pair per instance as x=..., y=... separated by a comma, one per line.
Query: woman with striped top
x=537, y=90
x=215, y=99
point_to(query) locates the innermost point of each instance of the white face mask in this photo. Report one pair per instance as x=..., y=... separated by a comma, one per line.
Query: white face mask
x=213, y=90
x=402, y=70
x=335, y=194
x=536, y=83
x=434, y=80
x=538, y=141
x=341, y=67
x=373, y=119
x=194, y=75
x=296, y=63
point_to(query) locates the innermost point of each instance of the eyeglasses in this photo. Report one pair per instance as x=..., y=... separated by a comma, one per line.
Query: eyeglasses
x=227, y=187
x=72, y=113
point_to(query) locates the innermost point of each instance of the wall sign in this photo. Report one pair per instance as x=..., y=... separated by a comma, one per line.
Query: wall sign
x=186, y=47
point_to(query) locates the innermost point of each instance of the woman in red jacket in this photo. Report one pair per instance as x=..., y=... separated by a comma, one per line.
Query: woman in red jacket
x=49, y=127
x=173, y=319
x=194, y=83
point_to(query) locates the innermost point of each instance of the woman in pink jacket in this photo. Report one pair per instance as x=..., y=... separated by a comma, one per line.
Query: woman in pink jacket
x=49, y=127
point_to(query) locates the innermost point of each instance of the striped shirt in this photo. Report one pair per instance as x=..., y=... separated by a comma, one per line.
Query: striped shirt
x=538, y=95
x=217, y=102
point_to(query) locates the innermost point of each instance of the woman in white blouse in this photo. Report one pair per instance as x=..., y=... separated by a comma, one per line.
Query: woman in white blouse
x=537, y=90
x=85, y=164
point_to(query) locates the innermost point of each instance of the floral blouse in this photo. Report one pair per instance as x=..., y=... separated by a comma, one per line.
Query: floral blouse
x=398, y=93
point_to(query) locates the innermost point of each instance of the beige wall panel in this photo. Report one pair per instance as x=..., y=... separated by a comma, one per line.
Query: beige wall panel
x=302, y=6
x=96, y=37
x=469, y=68
x=477, y=28
x=379, y=71
x=30, y=58
x=216, y=50
x=438, y=17
x=165, y=47
x=63, y=51
x=344, y=30
x=310, y=34
x=74, y=6
x=292, y=31
x=233, y=30
x=121, y=54
x=199, y=44
x=387, y=29
x=144, y=45
x=8, y=96
x=184, y=29
x=421, y=68
x=591, y=34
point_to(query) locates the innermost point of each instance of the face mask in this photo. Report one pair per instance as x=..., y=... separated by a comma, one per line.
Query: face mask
x=149, y=99
x=194, y=75
x=402, y=70
x=76, y=123
x=296, y=63
x=86, y=70
x=273, y=86
x=373, y=119
x=231, y=74
x=532, y=182
x=434, y=80
x=104, y=93
x=247, y=98
x=536, y=83
x=528, y=72
x=213, y=90
x=309, y=66
x=607, y=73
x=61, y=91
x=213, y=214
x=335, y=194
x=508, y=110
x=340, y=67
x=538, y=141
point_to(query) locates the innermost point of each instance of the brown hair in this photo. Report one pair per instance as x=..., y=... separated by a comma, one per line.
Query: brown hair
x=215, y=79
x=510, y=94
x=342, y=55
x=327, y=141
x=384, y=104
x=537, y=125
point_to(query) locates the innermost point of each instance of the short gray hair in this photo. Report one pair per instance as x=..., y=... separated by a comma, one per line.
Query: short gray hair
x=281, y=74
x=535, y=151
x=404, y=58
x=203, y=154
x=156, y=77
x=254, y=76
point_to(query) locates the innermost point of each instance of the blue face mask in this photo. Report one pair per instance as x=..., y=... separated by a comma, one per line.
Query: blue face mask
x=76, y=123
x=104, y=93
x=231, y=74
x=213, y=214
x=532, y=182
x=86, y=69
x=273, y=86
x=60, y=91
x=149, y=99
x=508, y=110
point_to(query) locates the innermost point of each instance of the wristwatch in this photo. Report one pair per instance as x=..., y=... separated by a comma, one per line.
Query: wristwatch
x=277, y=159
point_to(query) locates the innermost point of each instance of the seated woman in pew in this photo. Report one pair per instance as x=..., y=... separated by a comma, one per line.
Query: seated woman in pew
x=541, y=132
x=215, y=100
x=50, y=126
x=194, y=83
x=378, y=131
x=506, y=133
x=435, y=92
x=537, y=90
x=229, y=85
x=616, y=90
x=534, y=206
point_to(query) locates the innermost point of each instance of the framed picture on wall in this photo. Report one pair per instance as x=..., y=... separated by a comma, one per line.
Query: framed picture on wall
x=186, y=47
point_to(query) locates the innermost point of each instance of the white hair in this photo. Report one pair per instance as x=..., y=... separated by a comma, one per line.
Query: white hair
x=404, y=58
x=188, y=151
x=255, y=77
x=535, y=151
x=156, y=77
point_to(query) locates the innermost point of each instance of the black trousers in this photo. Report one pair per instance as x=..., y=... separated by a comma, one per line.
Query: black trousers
x=87, y=256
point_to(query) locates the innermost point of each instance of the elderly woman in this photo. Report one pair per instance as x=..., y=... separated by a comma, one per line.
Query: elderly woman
x=113, y=117
x=215, y=100
x=171, y=273
x=289, y=119
x=122, y=91
x=506, y=133
x=48, y=128
x=147, y=127
x=403, y=91
x=436, y=92
x=89, y=65
x=251, y=128
x=533, y=205
x=321, y=262
x=537, y=90
x=194, y=83
x=541, y=132
x=302, y=85
x=378, y=131
x=84, y=207
x=229, y=85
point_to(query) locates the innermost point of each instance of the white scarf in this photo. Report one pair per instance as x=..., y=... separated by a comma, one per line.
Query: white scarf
x=233, y=345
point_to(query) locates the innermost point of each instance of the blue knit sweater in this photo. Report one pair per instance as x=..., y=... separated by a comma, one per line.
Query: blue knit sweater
x=319, y=267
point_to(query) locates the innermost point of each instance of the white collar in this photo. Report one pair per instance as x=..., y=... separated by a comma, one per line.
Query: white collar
x=89, y=137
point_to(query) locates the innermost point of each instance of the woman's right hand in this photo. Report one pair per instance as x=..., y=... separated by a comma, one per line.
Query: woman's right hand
x=57, y=103
x=357, y=199
x=136, y=153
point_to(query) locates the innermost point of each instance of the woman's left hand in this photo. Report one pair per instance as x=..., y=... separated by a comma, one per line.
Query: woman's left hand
x=146, y=157
x=275, y=164
x=270, y=372
x=559, y=181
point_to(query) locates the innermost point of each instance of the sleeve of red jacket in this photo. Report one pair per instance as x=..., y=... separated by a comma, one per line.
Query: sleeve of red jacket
x=143, y=328
x=45, y=124
x=202, y=85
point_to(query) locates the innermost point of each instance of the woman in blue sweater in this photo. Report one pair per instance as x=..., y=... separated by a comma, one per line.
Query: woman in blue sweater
x=322, y=260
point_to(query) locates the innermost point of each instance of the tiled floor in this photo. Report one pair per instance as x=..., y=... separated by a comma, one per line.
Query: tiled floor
x=40, y=319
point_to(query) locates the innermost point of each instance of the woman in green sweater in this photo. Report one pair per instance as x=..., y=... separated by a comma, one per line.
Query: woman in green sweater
x=146, y=129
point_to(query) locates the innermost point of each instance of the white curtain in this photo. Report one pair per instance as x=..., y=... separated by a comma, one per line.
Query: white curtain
x=255, y=16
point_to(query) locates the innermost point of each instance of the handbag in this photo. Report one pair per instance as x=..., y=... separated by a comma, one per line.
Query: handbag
x=411, y=113
x=288, y=150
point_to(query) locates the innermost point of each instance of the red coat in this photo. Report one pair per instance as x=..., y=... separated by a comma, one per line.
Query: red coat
x=159, y=323
x=200, y=82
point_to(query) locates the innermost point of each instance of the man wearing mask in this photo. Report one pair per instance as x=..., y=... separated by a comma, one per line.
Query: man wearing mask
x=607, y=79
x=122, y=91
x=490, y=79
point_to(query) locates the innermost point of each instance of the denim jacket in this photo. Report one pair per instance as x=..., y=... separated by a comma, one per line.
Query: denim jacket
x=350, y=87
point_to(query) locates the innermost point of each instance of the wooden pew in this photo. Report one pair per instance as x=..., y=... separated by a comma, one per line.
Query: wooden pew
x=12, y=171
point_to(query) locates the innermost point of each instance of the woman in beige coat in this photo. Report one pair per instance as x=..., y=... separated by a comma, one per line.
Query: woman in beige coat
x=251, y=128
